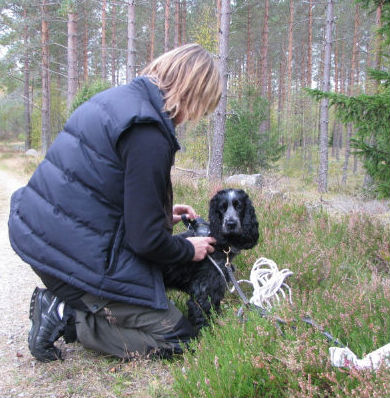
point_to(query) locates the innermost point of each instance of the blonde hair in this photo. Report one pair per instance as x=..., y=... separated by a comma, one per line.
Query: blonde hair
x=190, y=80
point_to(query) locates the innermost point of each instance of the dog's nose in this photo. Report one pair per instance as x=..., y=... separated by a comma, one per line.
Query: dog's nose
x=231, y=224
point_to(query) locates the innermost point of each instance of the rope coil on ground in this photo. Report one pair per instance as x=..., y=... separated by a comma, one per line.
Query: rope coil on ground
x=268, y=284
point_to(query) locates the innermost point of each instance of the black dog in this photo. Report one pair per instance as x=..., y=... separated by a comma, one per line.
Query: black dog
x=234, y=225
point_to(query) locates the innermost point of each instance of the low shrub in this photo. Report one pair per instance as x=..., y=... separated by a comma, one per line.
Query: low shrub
x=340, y=280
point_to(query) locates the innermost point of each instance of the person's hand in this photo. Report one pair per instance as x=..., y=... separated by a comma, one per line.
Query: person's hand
x=203, y=246
x=178, y=210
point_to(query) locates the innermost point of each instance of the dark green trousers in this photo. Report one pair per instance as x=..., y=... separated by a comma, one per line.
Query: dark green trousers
x=125, y=330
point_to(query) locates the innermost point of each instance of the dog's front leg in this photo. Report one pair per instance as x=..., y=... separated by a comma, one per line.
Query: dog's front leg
x=199, y=309
x=201, y=305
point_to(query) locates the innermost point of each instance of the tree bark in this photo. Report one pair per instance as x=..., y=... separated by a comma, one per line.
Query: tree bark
x=176, y=37
x=310, y=45
x=281, y=96
x=152, y=30
x=351, y=83
x=85, y=46
x=216, y=161
x=264, y=52
x=166, y=26
x=26, y=99
x=131, y=68
x=184, y=22
x=368, y=180
x=378, y=42
x=72, y=58
x=104, y=43
x=113, y=45
x=324, y=112
x=46, y=127
x=265, y=124
x=249, y=45
x=289, y=59
x=219, y=8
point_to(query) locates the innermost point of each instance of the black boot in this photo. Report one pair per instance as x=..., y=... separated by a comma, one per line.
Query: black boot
x=47, y=326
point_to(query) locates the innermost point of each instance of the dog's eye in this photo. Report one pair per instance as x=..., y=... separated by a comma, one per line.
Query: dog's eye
x=224, y=206
x=237, y=204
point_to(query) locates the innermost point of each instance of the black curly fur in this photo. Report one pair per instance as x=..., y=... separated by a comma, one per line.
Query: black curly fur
x=234, y=225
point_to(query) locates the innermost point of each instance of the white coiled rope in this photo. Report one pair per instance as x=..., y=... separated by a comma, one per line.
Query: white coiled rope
x=268, y=284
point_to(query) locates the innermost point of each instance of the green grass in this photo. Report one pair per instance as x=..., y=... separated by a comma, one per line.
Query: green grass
x=340, y=279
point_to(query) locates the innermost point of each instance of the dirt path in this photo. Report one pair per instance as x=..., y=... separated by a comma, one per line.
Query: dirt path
x=17, y=283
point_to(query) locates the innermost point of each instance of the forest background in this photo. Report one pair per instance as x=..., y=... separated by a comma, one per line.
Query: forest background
x=288, y=65
x=55, y=54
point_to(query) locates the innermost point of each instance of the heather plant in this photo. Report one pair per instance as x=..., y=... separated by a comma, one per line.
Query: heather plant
x=340, y=280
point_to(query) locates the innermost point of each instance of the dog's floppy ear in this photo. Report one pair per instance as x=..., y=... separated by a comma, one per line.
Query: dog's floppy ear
x=215, y=218
x=250, y=225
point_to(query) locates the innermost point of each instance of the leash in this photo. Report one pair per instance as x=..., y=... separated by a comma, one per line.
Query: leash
x=230, y=270
x=266, y=279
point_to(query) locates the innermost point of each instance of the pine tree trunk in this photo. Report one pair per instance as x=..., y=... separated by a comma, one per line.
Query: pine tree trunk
x=368, y=180
x=378, y=42
x=289, y=78
x=342, y=69
x=336, y=63
x=184, y=22
x=72, y=58
x=113, y=45
x=336, y=127
x=152, y=31
x=131, y=68
x=104, y=43
x=249, y=51
x=26, y=71
x=264, y=52
x=265, y=124
x=350, y=92
x=289, y=59
x=219, y=8
x=281, y=97
x=310, y=45
x=166, y=26
x=85, y=46
x=177, y=24
x=216, y=161
x=46, y=127
x=324, y=112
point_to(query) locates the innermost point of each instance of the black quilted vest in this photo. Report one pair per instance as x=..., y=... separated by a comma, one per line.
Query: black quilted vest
x=68, y=220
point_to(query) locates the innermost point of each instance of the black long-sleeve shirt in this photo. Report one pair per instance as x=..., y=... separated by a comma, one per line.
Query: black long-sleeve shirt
x=147, y=156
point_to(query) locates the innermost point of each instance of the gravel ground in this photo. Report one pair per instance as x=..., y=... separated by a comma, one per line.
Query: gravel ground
x=17, y=283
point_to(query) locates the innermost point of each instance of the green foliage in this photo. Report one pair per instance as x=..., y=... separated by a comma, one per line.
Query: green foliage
x=246, y=149
x=88, y=91
x=338, y=268
x=371, y=117
x=204, y=32
x=57, y=115
x=11, y=116
x=194, y=142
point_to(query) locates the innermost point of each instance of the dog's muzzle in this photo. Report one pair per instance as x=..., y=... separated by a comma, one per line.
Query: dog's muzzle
x=231, y=226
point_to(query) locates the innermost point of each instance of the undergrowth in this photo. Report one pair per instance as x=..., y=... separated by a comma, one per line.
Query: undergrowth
x=341, y=279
